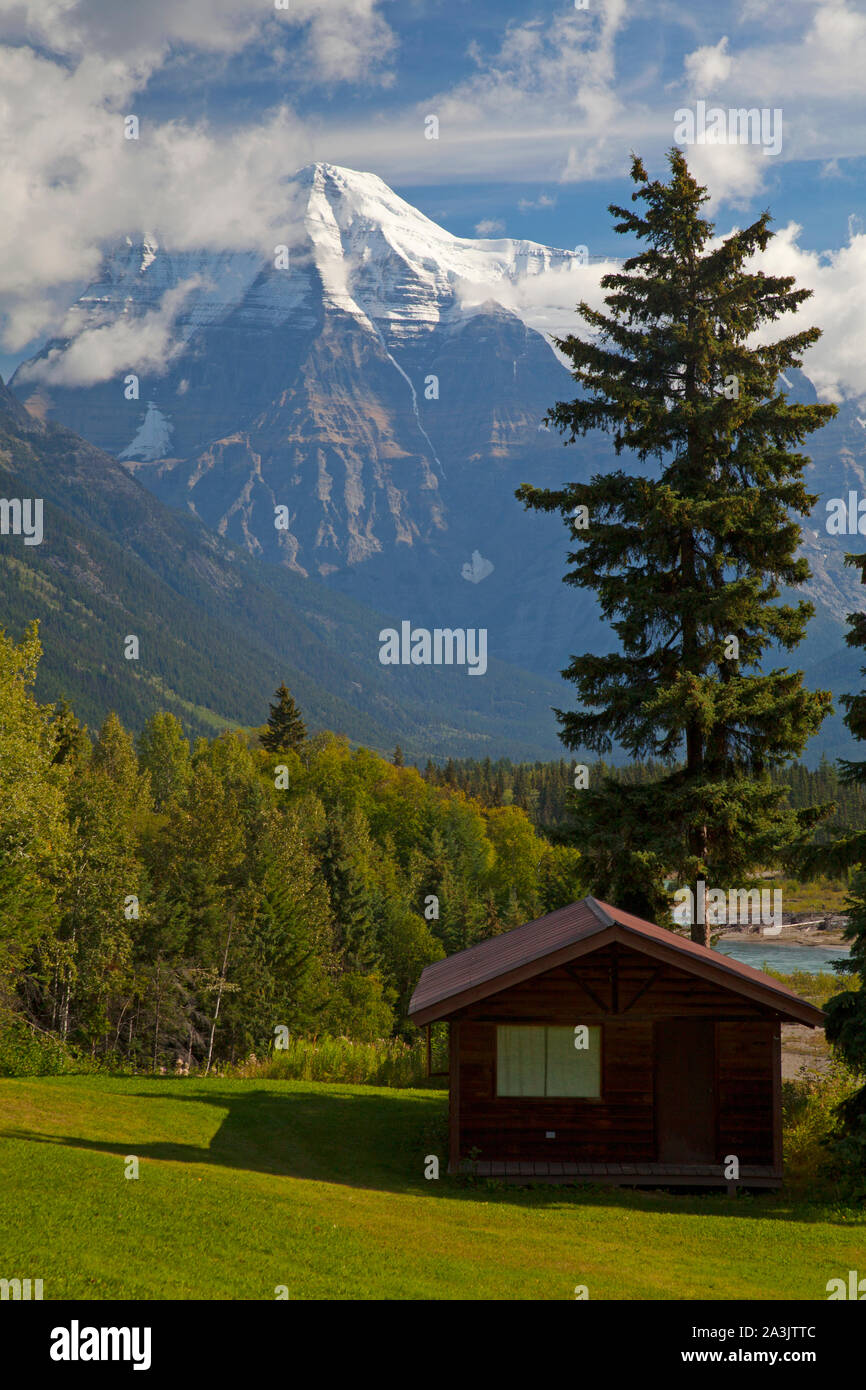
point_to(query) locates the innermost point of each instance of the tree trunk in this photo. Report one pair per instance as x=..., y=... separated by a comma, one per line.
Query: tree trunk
x=156, y=1021
x=219, y=1001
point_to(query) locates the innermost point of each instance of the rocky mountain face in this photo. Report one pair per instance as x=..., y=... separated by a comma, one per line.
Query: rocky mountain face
x=216, y=628
x=359, y=411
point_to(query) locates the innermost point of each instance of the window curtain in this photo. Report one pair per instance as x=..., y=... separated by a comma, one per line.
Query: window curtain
x=535, y=1061
x=520, y=1061
x=573, y=1071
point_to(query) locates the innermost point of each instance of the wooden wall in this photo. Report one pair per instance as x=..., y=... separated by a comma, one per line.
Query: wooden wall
x=619, y=1127
x=627, y=993
x=745, y=1091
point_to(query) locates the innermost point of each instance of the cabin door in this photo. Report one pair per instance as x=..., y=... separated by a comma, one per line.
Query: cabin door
x=685, y=1091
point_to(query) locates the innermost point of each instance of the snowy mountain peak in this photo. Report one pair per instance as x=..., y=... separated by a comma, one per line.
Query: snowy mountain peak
x=352, y=243
x=387, y=263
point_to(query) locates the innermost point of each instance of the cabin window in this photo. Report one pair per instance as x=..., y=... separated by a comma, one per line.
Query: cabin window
x=533, y=1061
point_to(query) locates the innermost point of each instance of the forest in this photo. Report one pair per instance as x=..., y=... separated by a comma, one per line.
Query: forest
x=544, y=789
x=161, y=901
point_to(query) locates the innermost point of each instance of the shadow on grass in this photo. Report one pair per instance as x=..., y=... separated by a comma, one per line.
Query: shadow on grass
x=379, y=1143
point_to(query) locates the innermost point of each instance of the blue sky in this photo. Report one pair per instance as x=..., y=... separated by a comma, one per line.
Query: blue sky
x=539, y=106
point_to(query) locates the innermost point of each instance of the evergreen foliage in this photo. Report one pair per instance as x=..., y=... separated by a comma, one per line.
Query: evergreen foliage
x=286, y=730
x=688, y=552
x=846, y=1012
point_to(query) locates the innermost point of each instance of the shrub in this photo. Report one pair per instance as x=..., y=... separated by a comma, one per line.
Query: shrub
x=26, y=1052
x=818, y=1160
x=383, y=1062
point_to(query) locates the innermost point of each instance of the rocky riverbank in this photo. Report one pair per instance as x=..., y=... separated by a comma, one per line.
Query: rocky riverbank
x=803, y=929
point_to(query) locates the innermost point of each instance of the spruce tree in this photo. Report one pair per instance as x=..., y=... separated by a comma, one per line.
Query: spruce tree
x=846, y=1011
x=342, y=843
x=286, y=729
x=688, y=553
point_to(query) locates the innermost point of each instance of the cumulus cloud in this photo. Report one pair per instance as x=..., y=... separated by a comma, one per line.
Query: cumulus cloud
x=811, y=69
x=707, y=67
x=489, y=226
x=733, y=174
x=341, y=39
x=71, y=70
x=836, y=364
x=147, y=342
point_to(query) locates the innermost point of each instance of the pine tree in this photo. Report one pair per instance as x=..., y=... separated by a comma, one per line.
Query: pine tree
x=688, y=553
x=398, y=759
x=71, y=743
x=286, y=729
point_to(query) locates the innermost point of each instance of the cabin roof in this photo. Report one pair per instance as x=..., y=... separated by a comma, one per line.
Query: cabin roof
x=535, y=947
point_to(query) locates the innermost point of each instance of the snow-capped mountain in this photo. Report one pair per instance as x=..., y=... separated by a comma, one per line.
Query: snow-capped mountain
x=360, y=403
x=367, y=376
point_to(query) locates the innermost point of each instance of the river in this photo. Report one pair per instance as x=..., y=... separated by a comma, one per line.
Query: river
x=784, y=956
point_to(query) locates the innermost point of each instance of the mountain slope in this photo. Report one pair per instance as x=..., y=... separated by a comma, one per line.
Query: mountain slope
x=217, y=631
x=383, y=391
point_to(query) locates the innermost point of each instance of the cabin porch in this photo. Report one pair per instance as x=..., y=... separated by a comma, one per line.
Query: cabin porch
x=621, y=1174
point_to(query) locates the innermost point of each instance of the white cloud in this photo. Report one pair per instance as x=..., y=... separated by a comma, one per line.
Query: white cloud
x=545, y=300
x=731, y=173
x=69, y=181
x=145, y=343
x=545, y=103
x=836, y=364
x=811, y=68
x=489, y=227
x=707, y=67
x=543, y=200
x=342, y=40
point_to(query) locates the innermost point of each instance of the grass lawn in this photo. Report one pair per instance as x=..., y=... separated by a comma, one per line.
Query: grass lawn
x=247, y=1185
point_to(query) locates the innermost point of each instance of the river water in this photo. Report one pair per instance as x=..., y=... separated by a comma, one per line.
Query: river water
x=784, y=956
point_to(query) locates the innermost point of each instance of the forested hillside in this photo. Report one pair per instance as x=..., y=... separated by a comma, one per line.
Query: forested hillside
x=159, y=901
x=544, y=790
x=216, y=629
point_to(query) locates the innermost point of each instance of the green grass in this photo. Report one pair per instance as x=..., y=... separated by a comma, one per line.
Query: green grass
x=820, y=895
x=247, y=1185
x=814, y=988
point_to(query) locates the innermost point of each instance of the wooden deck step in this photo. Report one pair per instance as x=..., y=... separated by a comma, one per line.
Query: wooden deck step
x=620, y=1174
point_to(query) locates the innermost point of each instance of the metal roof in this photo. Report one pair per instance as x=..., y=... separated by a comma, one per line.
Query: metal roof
x=492, y=965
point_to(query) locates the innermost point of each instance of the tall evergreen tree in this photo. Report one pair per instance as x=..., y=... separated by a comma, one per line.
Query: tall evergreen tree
x=688, y=554
x=846, y=1011
x=343, y=843
x=286, y=728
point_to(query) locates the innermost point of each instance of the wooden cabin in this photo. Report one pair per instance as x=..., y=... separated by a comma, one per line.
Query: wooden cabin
x=592, y=1046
